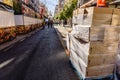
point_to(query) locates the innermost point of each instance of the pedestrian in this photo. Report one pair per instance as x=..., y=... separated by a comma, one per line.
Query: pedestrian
x=51, y=22
x=48, y=23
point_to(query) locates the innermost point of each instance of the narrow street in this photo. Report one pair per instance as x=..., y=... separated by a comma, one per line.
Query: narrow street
x=50, y=61
x=39, y=57
x=59, y=39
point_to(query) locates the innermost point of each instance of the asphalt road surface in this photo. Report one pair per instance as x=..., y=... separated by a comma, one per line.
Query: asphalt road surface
x=39, y=57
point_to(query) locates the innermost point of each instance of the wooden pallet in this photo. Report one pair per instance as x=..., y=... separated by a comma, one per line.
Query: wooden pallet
x=118, y=76
x=109, y=77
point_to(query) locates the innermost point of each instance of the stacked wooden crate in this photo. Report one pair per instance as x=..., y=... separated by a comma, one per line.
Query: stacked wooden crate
x=93, y=50
x=116, y=22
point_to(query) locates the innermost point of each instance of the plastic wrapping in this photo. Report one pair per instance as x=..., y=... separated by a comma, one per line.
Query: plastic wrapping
x=82, y=33
x=118, y=60
x=87, y=62
x=74, y=19
x=78, y=64
x=68, y=41
x=91, y=46
x=80, y=13
x=118, y=64
x=6, y=19
x=94, y=42
x=29, y=20
x=82, y=50
x=24, y=20
x=19, y=20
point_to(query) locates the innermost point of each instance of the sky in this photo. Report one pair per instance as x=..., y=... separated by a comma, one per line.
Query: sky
x=50, y=4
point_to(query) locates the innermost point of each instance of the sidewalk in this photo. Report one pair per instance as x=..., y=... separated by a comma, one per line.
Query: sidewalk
x=62, y=33
x=8, y=44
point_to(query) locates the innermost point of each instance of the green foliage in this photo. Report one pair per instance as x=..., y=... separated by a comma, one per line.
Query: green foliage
x=67, y=11
x=17, y=6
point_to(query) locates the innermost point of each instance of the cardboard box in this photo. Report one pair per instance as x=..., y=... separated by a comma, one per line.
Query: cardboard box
x=100, y=71
x=100, y=33
x=102, y=48
x=97, y=33
x=98, y=59
x=116, y=17
x=111, y=35
x=96, y=16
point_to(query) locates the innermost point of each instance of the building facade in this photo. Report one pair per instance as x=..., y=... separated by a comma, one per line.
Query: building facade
x=61, y=5
x=56, y=10
x=43, y=9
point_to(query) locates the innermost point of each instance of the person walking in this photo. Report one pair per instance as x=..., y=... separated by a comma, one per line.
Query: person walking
x=51, y=23
x=48, y=23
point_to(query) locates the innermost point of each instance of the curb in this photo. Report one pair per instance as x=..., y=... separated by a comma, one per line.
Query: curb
x=61, y=40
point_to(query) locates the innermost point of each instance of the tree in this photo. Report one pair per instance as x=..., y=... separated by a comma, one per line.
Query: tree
x=17, y=6
x=67, y=11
